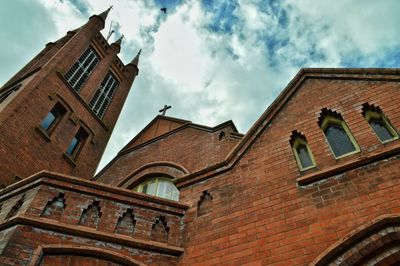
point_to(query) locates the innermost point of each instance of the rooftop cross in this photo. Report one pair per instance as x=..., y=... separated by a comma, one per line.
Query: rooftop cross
x=164, y=109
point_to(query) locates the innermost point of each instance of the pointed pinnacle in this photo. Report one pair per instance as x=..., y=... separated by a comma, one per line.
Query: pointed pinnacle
x=105, y=13
x=135, y=60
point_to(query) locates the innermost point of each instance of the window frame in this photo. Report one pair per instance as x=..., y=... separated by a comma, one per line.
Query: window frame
x=297, y=142
x=157, y=178
x=102, y=98
x=332, y=120
x=55, y=122
x=73, y=71
x=78, y=147
x=370, y=114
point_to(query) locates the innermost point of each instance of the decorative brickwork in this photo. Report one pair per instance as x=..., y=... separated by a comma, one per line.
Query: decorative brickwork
x=296, y=135
x=160, y=230
x=126, y=223
x=91, y=215
x=55, y=208
x=325, y=112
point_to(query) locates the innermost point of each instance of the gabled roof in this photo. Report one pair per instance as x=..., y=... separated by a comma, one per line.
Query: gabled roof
x=157, y=127
x=163, y=126
x=373, y=74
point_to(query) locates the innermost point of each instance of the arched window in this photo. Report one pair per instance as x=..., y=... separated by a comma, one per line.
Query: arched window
x=159, y=186
x=337, y=133
x=302, y=152
x=379, y=123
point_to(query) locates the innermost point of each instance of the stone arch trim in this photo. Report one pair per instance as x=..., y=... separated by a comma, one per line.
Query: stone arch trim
x=377, y=241
x=94, y=252
x=162, y=168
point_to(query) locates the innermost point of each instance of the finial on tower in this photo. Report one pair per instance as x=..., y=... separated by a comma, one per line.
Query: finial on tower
x=135, y=60
x=105, y=13
x=102, y=16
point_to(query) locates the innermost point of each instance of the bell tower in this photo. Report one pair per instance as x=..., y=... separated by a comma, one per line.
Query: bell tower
x=58, y=112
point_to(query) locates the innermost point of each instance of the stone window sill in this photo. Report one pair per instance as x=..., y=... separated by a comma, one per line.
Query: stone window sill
x=347, y=166
x=42, y=133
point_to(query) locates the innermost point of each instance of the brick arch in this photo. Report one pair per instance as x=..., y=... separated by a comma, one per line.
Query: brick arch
x=376, y=243
x=156, y=168
x=91, y=252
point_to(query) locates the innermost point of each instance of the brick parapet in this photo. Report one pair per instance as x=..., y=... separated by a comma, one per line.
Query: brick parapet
x=76, y=198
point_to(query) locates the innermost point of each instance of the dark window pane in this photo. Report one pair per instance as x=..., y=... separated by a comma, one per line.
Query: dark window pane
x=381, y=129
x=77, y=142
x=338, y=140
x=304, y=156
x=72, y=146
x=48, y=121
x=53, y=116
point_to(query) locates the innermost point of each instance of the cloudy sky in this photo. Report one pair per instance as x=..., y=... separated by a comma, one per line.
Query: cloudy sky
x=211, y=60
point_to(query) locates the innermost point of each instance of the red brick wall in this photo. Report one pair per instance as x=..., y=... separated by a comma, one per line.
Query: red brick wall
x=260, y=215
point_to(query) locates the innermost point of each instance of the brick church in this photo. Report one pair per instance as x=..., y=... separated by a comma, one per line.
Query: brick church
x=315, y=181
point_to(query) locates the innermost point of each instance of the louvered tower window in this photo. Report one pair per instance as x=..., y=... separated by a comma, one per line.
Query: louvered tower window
x=103, y=95
x=81, y=70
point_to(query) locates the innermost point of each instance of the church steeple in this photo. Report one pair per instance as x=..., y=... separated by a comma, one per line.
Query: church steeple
x=92, y=86
x=104, y=14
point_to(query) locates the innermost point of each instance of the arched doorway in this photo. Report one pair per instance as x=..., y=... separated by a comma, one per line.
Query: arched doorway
x=69, y=255
x=377, y=243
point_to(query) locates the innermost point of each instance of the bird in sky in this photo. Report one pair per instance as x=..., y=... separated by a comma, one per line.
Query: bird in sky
x=164, y=9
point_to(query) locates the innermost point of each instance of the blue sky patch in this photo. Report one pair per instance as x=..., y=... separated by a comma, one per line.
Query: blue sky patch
x=223, y=17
